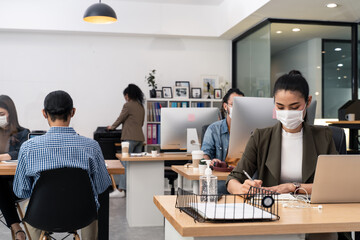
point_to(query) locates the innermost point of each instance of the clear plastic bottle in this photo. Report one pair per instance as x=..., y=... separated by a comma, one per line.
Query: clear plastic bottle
x=208, y=185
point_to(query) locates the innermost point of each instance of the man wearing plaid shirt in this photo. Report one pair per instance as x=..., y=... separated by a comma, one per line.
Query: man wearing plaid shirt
x=60, y=147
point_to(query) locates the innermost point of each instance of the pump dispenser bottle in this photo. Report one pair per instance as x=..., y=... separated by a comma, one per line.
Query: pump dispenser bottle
x=208, y=185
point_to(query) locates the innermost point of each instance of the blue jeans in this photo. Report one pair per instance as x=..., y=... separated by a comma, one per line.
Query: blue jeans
x=134, y=147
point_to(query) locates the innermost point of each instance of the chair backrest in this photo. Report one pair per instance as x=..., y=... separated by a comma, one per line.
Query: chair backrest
x=339, y=138
x=203, y=130
x=62, y=201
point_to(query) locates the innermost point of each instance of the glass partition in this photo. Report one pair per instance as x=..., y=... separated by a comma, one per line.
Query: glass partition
x=252, y=67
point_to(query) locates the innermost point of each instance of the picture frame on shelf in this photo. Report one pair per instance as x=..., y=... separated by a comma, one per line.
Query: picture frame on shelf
x=181, y=92
x=182, y=84
x=217, y=93
x=210, y=82
x=195, y=92
x=159, y=93
x=167, y=92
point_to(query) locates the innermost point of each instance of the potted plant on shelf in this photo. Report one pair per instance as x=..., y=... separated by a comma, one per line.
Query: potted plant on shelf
x=150, y=79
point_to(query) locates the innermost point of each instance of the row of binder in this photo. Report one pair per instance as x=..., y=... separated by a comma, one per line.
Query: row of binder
x=154, y=111
x=179, y=104
x=200, y=104
x=153, y=133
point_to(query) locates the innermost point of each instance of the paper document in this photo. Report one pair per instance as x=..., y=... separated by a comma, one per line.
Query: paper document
x=231, y=211
x=286, y=197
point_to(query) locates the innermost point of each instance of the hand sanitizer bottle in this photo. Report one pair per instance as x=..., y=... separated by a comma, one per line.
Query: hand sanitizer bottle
x=208, y=185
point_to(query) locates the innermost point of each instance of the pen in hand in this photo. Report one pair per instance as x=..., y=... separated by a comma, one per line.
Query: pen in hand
x=248, y=176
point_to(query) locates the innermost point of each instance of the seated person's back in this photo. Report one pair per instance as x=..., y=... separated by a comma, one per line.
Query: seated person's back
x=60, y=147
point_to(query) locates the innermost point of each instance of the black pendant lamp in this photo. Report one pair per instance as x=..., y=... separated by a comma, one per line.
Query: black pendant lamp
x=100, y=13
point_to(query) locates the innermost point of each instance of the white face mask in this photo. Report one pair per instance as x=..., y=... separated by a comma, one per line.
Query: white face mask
x=230, y=111
x=290, y=119
x=3, y=121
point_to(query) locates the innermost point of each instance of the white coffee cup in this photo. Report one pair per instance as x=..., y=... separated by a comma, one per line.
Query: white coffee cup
x=202, y=168
x=197, y=155
x=350, y=117
x=154, y=153
x=125, y=149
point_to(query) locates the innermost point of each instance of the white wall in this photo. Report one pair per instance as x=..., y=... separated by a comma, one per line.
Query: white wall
x=95, y=69
x=207, y=18
x=305, y=57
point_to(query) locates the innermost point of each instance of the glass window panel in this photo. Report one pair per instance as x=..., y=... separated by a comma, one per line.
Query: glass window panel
x=253, y=63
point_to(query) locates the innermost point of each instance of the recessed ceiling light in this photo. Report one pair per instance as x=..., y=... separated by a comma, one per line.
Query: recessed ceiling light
x=296, y=29
x=278, y=32
x=323, y=51
x=338, y=69
x=345, y=76
x=343, y=56
x=337, y=49
x=331, y=5
x=340, y=65
x=318, y=67
x=317, y=93
x=339, y=77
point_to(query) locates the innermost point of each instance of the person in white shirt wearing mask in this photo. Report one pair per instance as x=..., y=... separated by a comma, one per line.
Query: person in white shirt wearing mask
x=285, y=155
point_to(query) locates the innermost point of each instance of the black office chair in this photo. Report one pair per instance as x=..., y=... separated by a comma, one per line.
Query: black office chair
x=203, y=130
x=339, y=138
x=170, y=174
x=62, y=201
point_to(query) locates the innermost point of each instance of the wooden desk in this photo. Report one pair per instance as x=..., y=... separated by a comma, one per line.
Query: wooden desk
x=144, y=179
x=113, y=167
x=190, y=174
x=293, y=223
x=354, y=127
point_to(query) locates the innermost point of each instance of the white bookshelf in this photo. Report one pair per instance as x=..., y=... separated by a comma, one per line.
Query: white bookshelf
x=170, y=102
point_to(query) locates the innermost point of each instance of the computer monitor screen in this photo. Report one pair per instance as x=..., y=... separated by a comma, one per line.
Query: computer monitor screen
x=176, y=121
x=36, y=133
x=248, y=114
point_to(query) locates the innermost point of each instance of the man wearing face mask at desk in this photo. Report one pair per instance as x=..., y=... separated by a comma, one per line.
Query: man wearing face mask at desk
x=216, y=139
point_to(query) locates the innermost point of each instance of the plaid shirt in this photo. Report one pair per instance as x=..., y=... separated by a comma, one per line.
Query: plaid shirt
x=60, y=147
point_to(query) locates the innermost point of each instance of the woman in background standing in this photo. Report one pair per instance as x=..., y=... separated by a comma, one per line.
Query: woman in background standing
x=12, y=135
x=132, y=118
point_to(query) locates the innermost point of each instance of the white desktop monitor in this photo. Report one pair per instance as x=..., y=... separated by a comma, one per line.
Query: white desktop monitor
x=176, y=121
x=250, y=113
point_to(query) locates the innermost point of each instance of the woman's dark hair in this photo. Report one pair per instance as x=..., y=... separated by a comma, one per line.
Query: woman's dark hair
x=134, y=93
x=226, y=99
x=58, y=105
x=293, y=81
x=8, y=104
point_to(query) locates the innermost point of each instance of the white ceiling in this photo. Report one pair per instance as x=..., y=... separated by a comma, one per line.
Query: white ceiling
x=224, y=19
x=288, y=38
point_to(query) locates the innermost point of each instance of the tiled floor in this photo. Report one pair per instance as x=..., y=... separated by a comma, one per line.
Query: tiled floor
x=119, y=229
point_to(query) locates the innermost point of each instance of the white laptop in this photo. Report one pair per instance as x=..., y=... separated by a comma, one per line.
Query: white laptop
x=337, y=179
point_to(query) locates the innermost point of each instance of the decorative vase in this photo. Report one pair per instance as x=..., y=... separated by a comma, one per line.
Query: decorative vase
x=153, y=93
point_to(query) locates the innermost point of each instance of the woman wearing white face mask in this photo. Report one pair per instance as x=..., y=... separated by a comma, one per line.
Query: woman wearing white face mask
x=284, y=155
x=12, y=135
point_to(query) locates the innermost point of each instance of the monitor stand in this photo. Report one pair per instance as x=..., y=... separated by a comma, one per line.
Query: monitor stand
x=192, y=140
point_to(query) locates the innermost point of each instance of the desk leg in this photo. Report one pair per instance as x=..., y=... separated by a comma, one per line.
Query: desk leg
x=172, y=234
x=180, y=181
x=195, y=185
x=144, y=180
